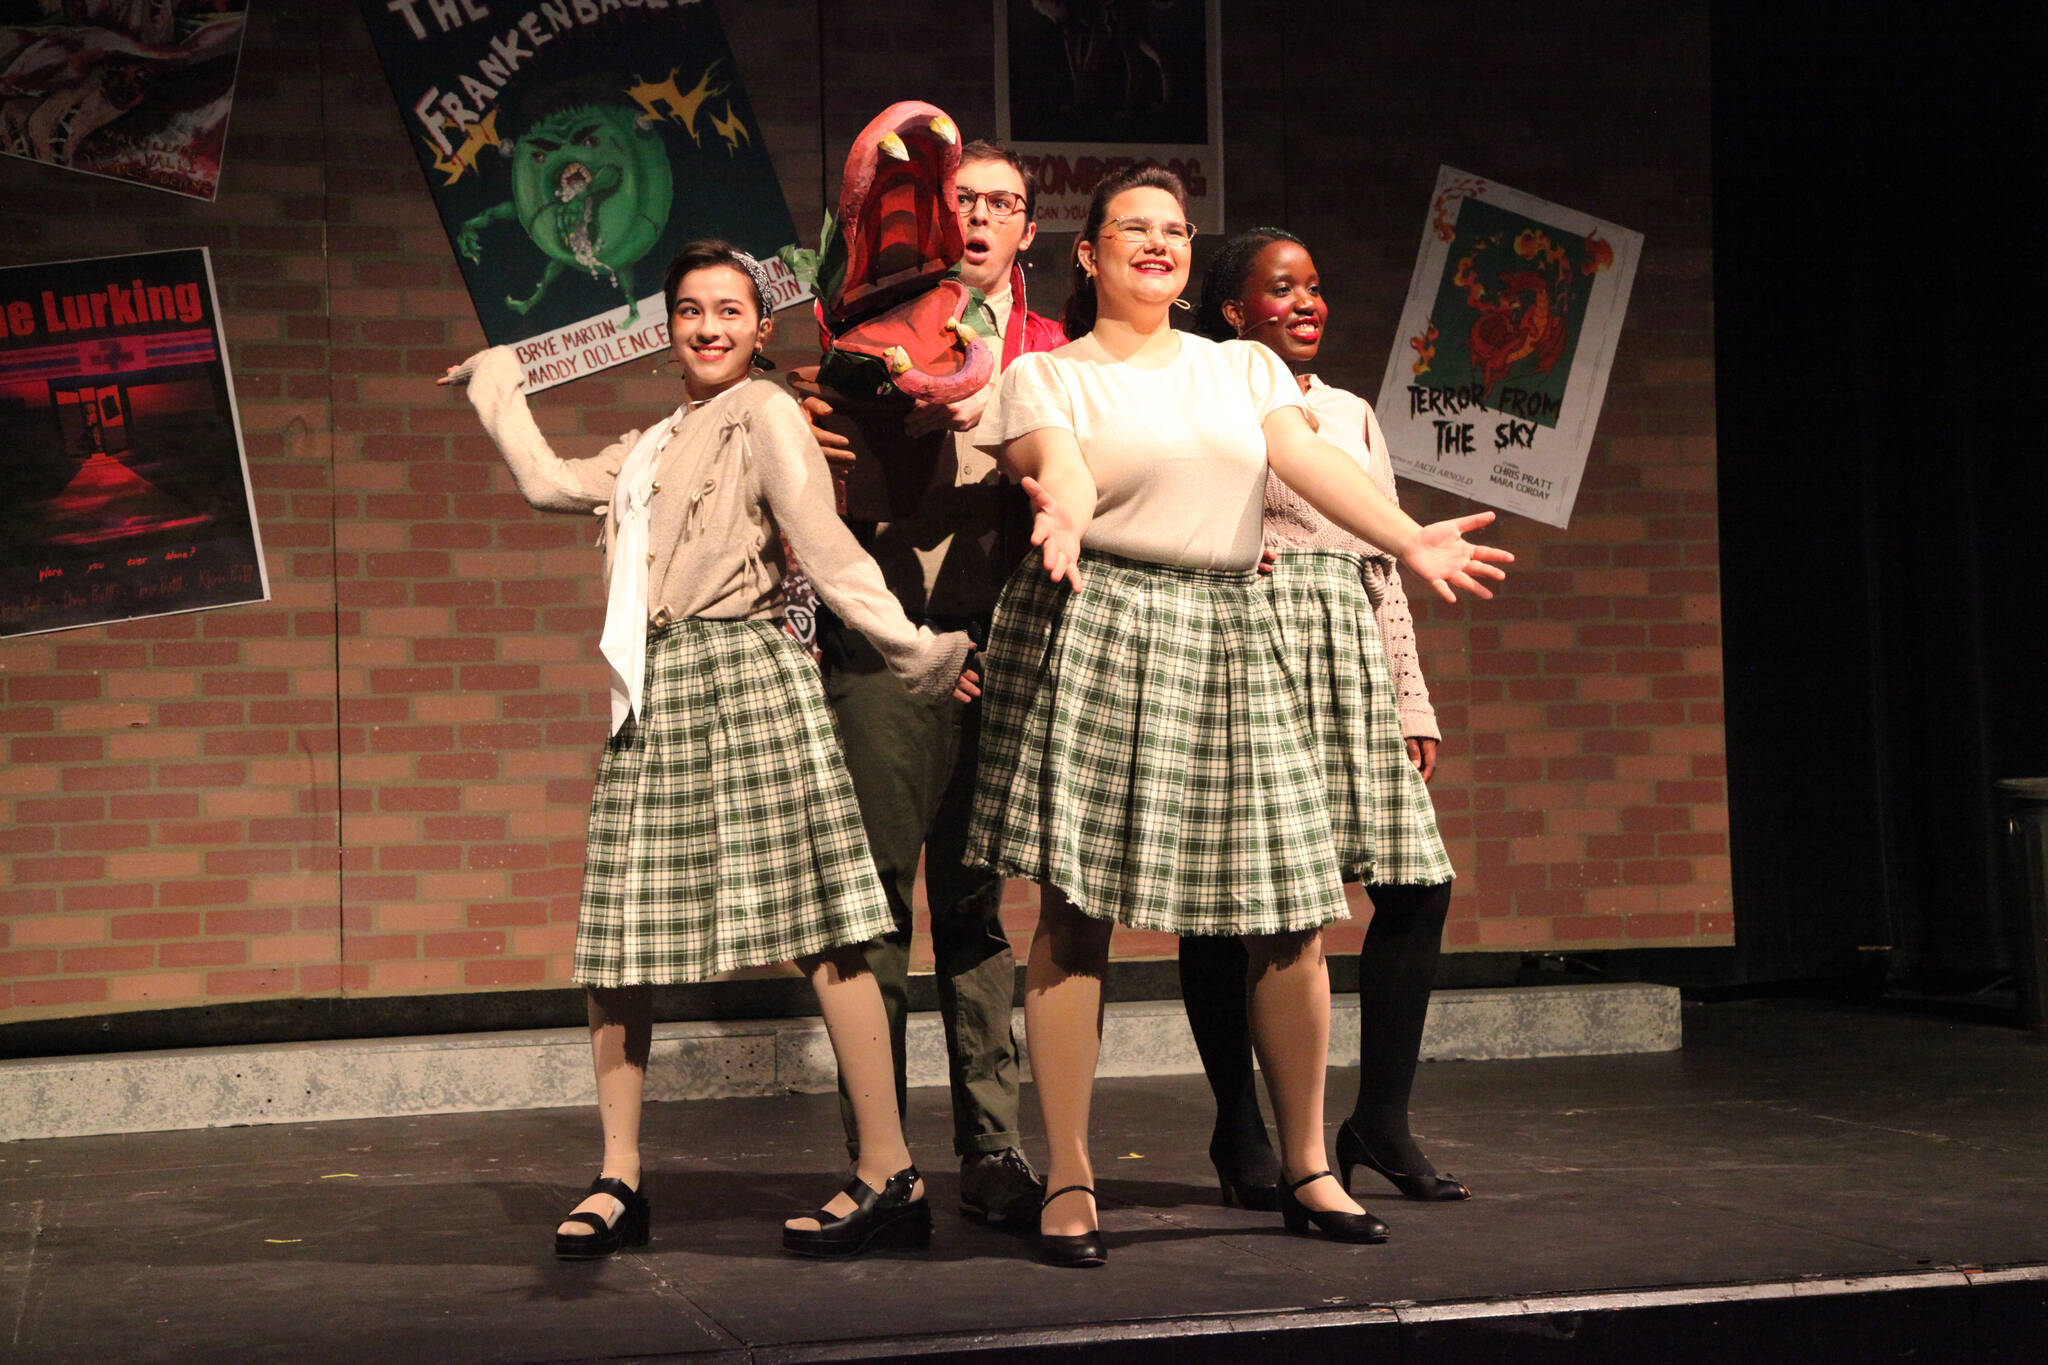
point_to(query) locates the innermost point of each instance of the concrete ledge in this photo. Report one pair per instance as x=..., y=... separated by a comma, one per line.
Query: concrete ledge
x=464, y=1073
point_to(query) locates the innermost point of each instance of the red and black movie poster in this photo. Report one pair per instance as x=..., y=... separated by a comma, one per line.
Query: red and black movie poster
x=127, y=488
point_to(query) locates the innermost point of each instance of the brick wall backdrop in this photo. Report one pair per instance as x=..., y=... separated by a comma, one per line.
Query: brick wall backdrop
x=374, y=783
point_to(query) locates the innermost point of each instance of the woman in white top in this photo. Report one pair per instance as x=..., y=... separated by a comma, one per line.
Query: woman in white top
x=723, y=828
x=1146, y=756
x=1346, y=619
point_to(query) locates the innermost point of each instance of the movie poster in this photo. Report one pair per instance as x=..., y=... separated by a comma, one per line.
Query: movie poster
x=127, y=489
x=1083, y=89
x=133, y=89
x=571, y=148
x=1494, y=385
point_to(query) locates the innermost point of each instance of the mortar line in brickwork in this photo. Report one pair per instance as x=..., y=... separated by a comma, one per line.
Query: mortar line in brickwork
x=333, y=503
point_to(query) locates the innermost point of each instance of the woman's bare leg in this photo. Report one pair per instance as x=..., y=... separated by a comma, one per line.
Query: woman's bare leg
x=1063, y=1024
x=1289, y=983
x=858, y=1026
x=621, y=1030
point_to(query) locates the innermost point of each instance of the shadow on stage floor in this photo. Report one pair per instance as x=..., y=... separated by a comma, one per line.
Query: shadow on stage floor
x=1802, y=1182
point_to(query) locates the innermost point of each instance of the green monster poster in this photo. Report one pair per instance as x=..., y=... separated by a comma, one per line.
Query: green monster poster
x=571, y=147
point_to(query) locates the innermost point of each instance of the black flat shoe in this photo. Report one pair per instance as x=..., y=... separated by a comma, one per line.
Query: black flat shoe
x=604, y=1238
x=1352, y=1153
x=1247, y=1182
x=1076, y=1252
x=888, y=1216
x=1334, y=1224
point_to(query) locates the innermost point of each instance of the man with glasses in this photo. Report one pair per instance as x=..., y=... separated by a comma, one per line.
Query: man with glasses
x=913, y=761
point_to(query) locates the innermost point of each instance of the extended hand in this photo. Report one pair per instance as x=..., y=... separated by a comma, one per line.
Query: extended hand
x=1056, y=531
x=458, y=373
x=1444, y=558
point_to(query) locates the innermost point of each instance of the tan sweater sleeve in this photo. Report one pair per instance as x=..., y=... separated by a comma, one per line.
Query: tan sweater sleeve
x=790, y=474
x=545, y=479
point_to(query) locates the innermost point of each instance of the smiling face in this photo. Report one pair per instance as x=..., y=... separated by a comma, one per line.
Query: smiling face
x=714, y=328
x=1281, y=304
x=1137, y=276
x=992, y=242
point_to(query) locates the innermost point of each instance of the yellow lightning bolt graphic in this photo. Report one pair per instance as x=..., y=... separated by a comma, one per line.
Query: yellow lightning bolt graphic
x=653, y=95
x=480, y=135
x=732, y=130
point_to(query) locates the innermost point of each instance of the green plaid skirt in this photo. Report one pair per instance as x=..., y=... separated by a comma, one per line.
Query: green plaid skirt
x=724, y=831
x=1144, y=751
x=1379, y=808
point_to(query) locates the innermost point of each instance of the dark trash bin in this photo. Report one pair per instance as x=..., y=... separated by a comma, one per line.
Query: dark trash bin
x=2023, y=810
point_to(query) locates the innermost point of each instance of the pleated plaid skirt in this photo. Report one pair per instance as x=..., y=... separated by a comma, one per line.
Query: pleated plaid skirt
x=1144, y=750
x=1380, y=809
x=724, y=831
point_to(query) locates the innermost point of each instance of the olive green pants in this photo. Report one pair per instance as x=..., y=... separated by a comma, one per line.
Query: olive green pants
x=912, y=763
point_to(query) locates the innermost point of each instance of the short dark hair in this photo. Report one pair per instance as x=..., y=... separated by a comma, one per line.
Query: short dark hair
x=1079, y=317
x=982, y=150
x=1224, y=279
x=707, y=251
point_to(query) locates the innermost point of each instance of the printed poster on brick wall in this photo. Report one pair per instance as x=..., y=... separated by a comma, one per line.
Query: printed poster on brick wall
x=1497, y=376
x=136, y=90
x=120, y=448
x=1086, y=89
x=571, y=148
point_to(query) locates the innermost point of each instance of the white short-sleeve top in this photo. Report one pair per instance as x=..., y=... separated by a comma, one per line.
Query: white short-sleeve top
x=1177, y=452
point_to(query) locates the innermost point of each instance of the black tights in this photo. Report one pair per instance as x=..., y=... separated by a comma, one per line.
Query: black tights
x=1396, y=968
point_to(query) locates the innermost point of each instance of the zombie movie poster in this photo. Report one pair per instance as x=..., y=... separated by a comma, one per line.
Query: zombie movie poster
x=127, y=490
x=1495, y=382
x=133, y=89
x=572, y=147
x=1086, y=87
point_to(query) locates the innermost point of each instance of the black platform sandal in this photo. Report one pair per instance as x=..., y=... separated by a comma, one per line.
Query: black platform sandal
x=1079, y=1251
x=1334, y=1224
x=631, y=1230
x=1352, y=1152
x=886, y=1216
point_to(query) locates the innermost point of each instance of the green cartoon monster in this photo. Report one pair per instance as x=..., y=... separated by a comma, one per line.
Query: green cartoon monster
x=591, y=187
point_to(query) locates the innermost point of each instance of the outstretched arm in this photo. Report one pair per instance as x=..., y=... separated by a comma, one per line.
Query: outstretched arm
x=546, y=480
x=1335, y=486
x=1048, y=463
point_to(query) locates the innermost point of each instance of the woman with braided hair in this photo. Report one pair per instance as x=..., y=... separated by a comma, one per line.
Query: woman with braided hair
x=1146, y=757
x=1352, y=642
x=723, y=829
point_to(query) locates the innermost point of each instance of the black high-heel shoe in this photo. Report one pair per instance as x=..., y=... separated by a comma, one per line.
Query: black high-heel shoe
x=1334, y=1224
x=1352, y=1152
x=632, y=1229
x=1257, y=1189
x=1074, y=1252
x=885, y=1216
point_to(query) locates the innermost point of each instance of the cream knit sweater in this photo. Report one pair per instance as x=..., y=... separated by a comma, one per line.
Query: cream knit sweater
x=736, y=475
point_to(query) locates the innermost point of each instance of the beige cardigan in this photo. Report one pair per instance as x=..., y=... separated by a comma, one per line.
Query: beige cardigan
x=734, y=477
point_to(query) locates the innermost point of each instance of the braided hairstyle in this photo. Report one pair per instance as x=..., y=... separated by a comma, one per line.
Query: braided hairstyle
x=1223, y=281
x=1078, y=319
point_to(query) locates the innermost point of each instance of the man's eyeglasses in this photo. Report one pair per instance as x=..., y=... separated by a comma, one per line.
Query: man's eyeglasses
x=1135, y=230
x=1001, y=203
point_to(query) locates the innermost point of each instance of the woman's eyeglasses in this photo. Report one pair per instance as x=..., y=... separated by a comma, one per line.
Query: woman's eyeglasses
x=1001, y=203
x=1135, y=230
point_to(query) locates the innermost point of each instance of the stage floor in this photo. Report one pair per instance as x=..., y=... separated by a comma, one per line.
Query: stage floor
x=1789, y=1145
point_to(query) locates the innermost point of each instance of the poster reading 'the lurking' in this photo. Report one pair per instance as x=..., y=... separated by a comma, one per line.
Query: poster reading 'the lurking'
x=127, y=490
x=571, y=149
x=1495, y=382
